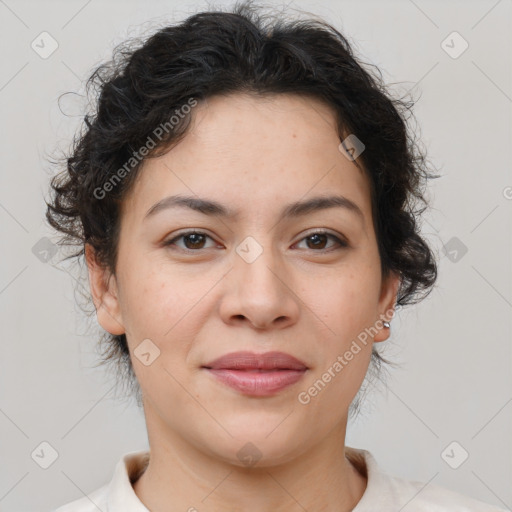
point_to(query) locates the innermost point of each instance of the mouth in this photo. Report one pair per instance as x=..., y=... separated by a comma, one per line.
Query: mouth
x=257, y=374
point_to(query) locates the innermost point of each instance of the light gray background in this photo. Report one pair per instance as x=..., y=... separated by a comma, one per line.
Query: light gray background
x=455, y=380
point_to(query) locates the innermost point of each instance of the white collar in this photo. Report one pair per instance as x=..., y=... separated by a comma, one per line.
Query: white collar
x=121, y=496
x=383, y=492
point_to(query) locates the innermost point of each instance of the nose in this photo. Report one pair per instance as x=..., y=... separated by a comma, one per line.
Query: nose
x=260, y=293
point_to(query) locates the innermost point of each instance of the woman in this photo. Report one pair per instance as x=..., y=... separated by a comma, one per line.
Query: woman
x=246, y=199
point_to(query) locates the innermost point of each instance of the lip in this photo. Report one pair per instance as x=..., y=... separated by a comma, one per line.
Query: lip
x=252, y=361
x=257, y=374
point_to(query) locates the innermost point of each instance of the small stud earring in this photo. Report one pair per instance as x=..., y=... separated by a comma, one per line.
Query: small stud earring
x=386, y=325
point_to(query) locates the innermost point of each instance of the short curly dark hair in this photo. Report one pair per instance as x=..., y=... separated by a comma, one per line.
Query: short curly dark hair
x=245, y=51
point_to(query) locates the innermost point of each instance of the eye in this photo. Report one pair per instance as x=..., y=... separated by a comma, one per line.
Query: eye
x=318, y=240
x=193, y=240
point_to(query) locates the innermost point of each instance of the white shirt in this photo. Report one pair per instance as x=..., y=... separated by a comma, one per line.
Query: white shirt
x=384, y=493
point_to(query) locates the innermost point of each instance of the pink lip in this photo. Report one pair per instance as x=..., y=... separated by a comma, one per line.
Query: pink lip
x=257, y=374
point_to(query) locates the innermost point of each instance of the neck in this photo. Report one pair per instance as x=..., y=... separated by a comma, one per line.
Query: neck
x=180, y=477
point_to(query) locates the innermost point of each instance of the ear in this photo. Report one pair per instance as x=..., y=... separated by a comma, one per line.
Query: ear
x=104, y=293
x=387, y=302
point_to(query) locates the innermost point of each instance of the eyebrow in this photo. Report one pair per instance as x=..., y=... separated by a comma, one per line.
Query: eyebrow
x=213, y=208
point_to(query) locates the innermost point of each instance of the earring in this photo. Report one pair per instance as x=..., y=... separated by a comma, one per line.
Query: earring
x=386, y=325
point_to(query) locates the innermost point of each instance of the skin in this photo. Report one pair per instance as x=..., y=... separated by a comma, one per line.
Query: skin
x=254, y=155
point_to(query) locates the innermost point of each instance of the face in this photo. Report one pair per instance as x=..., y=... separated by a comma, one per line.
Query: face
x=257, y=276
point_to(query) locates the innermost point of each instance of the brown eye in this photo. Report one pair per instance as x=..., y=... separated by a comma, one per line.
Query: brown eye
x=192, y=240
x=319, y=240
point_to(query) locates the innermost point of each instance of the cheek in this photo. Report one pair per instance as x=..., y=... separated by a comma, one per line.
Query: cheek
x=162, y=310
x=346, y=303
x=346, y=306
x=154, y=298
x=166, y=306
x=347, y=312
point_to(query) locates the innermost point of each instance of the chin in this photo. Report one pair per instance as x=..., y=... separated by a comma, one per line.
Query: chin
x=263, y=442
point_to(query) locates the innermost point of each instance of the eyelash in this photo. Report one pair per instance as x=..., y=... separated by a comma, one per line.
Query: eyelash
x=342, y=244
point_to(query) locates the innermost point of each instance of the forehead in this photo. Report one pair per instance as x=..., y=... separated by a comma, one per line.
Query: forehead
x=253, y=153
x=251, y=119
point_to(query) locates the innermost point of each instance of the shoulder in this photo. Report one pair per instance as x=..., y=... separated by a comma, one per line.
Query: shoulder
x=91, y=503
x=388, y=493
x=425, y=496
x=118, y=494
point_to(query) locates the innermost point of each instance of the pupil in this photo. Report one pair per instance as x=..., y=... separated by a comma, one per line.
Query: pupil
x=195, y=240
x=317, y=241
